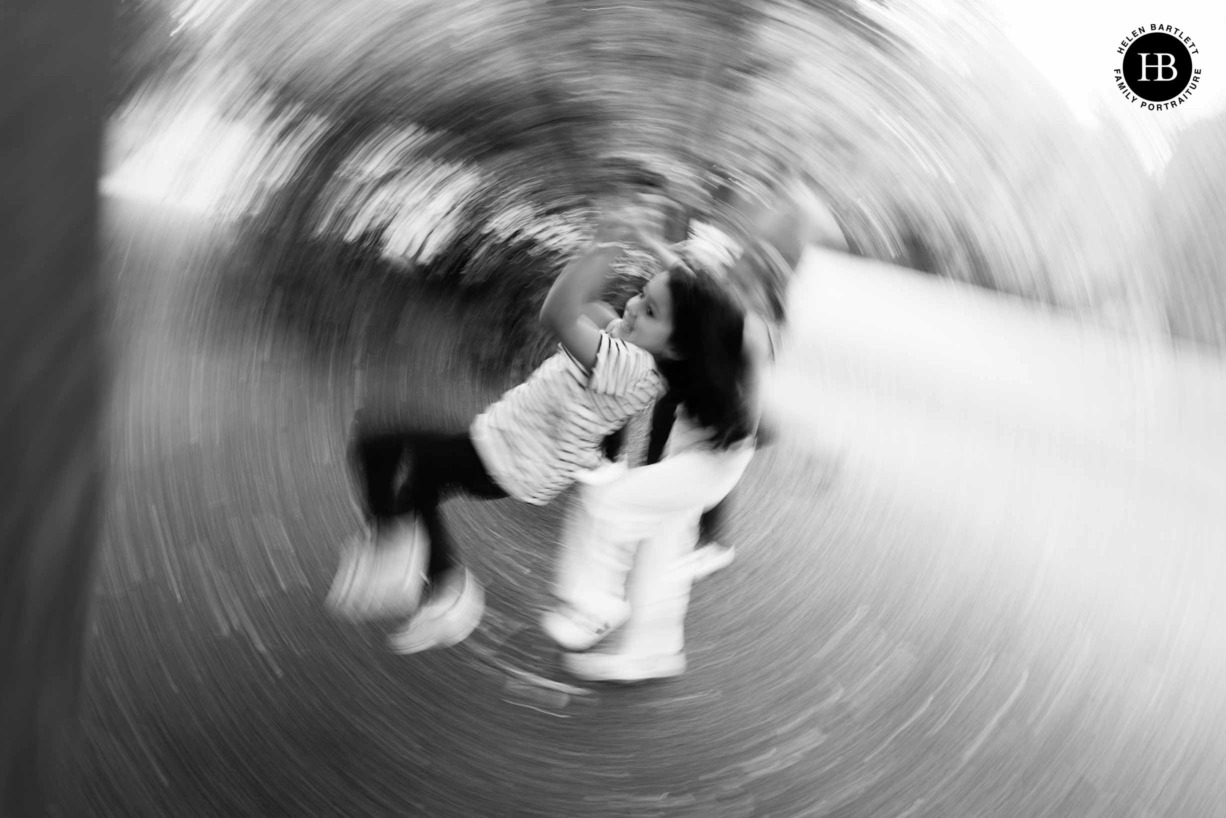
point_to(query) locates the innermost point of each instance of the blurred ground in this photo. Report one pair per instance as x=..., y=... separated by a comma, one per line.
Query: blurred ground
x=927, y=617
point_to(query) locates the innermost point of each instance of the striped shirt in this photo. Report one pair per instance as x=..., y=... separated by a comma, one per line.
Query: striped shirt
x=541, y=434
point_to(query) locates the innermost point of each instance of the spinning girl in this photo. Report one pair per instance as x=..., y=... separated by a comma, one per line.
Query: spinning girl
x=530, y=445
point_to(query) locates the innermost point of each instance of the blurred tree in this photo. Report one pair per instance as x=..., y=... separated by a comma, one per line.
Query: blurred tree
x=561, y=79
x=148, y=46
x=937, y=144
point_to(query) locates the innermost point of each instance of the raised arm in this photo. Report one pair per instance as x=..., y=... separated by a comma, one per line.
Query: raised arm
x=599, y=313
x=566, y=307
x=570, y=310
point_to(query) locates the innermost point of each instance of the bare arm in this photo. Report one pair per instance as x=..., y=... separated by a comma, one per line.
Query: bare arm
x=569, y=310
x=563, y=312
x=599, y=313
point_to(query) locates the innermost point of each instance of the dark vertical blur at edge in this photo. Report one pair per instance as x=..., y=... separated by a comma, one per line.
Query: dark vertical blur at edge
x=53, y=60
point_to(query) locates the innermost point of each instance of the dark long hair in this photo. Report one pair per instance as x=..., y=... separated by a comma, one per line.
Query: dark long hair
x=710, y=374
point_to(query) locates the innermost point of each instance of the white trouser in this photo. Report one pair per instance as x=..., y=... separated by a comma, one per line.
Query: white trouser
x=628, y=534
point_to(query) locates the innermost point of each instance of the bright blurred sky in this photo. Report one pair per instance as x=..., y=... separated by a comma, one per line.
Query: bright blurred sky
x=1073, y=43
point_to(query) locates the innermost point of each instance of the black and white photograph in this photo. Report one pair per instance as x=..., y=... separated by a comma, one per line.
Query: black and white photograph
x=628, y=409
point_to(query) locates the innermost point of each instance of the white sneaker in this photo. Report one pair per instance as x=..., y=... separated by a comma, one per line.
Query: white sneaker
x=450, y=613
x=381, y=582
x=574, y=629
x=707, y=559
x=624, y=668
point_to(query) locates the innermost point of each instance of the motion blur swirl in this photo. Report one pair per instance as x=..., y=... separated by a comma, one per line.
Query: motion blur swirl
x=976, y=575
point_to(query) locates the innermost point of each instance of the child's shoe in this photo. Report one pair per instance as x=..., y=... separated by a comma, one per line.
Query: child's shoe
x=622, y=668
x=574, y=629
x=451, y=612
x=381, y=582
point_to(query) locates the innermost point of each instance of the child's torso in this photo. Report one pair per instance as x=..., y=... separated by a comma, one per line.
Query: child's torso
x=546, y=430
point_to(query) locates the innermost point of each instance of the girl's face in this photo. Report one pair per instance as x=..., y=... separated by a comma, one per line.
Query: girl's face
x=648, y=319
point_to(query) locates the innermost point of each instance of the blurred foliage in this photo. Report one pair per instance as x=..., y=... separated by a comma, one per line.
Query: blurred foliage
x=571, y=77
x=147, y=47
x=497, y=124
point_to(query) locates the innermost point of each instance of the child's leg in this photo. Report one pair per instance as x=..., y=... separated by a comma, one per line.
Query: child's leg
x=439, y=467
x=591, y=574
x=652, y=514
x=376, y=460
x=382, y=572
x=402, y=474
x=401, y=478
x=658, y=590
x=610, y=520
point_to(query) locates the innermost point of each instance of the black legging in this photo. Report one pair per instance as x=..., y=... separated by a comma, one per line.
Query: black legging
x=403, y=473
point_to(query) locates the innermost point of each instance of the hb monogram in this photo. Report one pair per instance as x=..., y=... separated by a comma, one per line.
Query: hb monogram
x=1160, y=64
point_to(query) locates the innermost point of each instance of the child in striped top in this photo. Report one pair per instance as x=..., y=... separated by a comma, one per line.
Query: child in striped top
x=530, y=445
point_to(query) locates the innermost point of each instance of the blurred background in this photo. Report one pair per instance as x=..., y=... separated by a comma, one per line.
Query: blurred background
x=977, y=576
